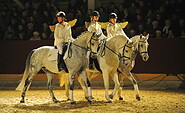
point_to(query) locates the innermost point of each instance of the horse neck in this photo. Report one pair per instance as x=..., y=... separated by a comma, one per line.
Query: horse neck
x=83, y=39
x=117, y=42
x=135, y=41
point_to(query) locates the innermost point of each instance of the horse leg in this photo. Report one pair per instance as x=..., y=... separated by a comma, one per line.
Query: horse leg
x=28, y=83
x=86, y=86
x=71, y=87
x=106, y=85
x=134, y=82
x=67, y=85
x=49, y=84
x=83, y=85
x=117, y=85
x=26, y=87
x=121, y=86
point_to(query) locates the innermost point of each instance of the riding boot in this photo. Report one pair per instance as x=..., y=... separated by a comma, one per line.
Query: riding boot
x=91, y=63
x=63, y=65
x=60, y=62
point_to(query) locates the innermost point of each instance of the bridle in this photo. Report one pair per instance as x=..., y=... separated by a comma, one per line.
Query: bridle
x=90, y=42
x=142, y=52
x=126, y=46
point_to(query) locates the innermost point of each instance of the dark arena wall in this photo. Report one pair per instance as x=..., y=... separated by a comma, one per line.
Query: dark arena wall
x=166, y=56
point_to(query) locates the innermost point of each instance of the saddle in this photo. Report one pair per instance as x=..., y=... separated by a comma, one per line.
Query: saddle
x=53, y=55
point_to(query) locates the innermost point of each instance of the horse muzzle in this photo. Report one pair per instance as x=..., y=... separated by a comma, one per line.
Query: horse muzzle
x=146, y=57
x=127, y=63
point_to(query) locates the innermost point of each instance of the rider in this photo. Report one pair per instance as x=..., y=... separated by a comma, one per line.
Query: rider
x=113, y=28
x=95, y=27
x=62, y=34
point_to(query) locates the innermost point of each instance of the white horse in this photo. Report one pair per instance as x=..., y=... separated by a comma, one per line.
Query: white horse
x=140, y=44
x=76, y=63
x=109, y=55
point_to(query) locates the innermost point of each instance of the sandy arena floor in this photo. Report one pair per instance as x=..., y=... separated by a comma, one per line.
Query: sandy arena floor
x=39, y=101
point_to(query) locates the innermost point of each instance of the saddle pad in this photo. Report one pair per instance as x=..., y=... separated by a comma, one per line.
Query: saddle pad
x=53, y=55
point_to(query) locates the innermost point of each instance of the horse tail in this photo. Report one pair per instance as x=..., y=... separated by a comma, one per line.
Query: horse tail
x=26, y=73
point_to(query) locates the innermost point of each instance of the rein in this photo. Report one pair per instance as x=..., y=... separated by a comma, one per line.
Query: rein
x=123, y=56
x=88, y=48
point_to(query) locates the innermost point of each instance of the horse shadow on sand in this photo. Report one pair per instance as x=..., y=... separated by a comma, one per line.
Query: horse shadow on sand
x=66, y=105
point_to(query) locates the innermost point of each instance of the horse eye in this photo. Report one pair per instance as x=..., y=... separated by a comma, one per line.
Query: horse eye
x=92, y=44
x=141, y=45
x=126, y=51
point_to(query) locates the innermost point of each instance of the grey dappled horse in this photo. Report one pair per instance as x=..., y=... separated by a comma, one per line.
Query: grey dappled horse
x=77, y=63
x=140, y=44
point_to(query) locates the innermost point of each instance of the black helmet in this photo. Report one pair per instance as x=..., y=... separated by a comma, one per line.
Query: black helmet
x=60, y=14
x=113, y=15
x=95, y=13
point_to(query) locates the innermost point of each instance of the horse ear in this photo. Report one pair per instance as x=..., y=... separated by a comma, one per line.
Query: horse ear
x=147, y=36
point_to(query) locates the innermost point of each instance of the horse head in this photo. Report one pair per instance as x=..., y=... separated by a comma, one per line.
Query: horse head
x=94, y=44
x=143, y=47
x=127, y=52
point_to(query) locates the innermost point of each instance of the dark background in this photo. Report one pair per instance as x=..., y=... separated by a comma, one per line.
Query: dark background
x=166, y=56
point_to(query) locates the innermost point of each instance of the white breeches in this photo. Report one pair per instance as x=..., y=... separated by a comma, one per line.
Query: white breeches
x=59, y=47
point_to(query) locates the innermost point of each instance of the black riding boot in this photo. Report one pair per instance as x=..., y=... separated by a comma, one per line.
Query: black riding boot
x=91, y=63
x=60, y=62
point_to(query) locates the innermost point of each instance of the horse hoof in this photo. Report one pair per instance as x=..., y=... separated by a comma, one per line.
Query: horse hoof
x=109, y=101
x=138, y=98
x=73, y=103
x=56, y=101
x=90, y=102
x=22, y=101
x=111, y=96
x=86, y=98
x=121, y=98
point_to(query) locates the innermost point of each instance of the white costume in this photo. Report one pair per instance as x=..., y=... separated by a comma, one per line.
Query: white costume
x=95, y=27
x=114, y=29
x=62, y=34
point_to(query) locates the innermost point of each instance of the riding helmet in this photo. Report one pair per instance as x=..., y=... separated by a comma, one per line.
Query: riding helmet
x=60, y=14
x=113, y=15
x=95, y=13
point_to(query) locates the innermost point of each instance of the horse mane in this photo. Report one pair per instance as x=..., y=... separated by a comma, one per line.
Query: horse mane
x=81, y=34
x=113, y=38
x=135, y=39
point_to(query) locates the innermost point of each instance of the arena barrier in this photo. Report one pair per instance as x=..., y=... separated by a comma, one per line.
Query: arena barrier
x=166, y=56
